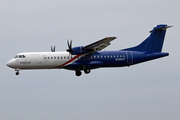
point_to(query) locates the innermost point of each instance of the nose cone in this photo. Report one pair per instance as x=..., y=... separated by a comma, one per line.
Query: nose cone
x=10, y=64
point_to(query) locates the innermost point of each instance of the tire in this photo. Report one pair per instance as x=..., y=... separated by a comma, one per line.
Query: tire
x=87, y=71
x=17, y=73
x=78, y=73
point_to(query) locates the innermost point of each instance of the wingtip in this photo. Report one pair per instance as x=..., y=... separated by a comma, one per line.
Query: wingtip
x=112, y=37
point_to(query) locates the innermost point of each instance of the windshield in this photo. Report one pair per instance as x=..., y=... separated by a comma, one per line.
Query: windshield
x=20, y=56
x=16, y=56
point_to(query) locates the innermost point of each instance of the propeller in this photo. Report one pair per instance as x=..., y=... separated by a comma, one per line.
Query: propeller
x=70, y=50
x=53, y=49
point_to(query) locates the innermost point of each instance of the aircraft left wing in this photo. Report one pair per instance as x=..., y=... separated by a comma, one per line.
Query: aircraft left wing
x=94, y=47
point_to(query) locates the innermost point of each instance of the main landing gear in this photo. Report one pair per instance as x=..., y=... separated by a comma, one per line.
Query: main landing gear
x=78, y=72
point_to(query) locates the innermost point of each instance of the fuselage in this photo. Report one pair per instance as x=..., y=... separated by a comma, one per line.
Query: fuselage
x=57, y=60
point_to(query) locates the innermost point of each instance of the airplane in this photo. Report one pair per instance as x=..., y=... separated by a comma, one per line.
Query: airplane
x=86, y=58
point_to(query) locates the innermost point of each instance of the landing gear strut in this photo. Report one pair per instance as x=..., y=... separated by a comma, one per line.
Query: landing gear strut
x=78, y=73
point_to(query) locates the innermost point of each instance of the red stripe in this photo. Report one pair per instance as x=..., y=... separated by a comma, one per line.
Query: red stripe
x=67, y=61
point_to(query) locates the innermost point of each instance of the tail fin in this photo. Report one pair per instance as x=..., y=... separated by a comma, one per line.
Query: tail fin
x=154, y=42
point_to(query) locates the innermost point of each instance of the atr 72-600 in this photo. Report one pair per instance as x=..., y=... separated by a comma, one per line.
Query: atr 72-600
x=86, y=58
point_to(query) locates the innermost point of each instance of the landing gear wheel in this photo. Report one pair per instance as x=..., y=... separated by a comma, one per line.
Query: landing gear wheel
x=17, y=73
x=87, y=71
x=78, y=73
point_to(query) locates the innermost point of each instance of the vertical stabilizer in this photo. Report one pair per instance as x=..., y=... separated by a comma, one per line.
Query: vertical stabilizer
x=154, y=42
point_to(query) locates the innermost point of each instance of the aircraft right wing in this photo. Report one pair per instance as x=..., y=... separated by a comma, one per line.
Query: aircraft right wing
x=94, y=47
x=99, y=45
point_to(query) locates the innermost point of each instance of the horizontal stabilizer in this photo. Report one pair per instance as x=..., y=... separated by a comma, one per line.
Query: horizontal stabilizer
x=161, y=28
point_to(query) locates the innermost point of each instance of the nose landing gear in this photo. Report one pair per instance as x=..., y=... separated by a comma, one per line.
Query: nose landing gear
x=17, y=72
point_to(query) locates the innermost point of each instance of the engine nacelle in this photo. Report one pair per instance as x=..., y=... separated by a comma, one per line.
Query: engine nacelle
x=79, y=50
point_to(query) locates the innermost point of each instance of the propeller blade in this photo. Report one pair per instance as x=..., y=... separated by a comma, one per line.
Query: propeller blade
x=53, y=49
x=69, y=46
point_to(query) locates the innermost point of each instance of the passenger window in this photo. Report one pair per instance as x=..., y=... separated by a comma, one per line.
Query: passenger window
x=61, y=57
x=104, y=56
x=111, y=56
x=57, y=57
x=108, y=56
x=44, y=57
x=54, y=57
x=117, y=55
x=48, y=57
x=101, y=56
x=51, y=57
x=94, y=56
x=64, y=57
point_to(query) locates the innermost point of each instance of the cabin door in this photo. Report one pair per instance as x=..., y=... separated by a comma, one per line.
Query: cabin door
x=129, y=57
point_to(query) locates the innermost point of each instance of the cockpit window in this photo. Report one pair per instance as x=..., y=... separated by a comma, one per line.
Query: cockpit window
x=16, y=56
x=20, y=56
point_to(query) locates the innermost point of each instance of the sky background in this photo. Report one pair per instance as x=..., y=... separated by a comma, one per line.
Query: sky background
x=147, y=91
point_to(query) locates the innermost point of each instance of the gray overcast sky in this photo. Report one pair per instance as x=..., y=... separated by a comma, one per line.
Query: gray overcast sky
x=146, y=91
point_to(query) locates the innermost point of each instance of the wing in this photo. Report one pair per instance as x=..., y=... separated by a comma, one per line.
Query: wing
x=94, y=47
x=99, y=45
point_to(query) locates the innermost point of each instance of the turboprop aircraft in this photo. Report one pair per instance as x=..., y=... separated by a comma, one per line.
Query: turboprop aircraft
x=86, y=58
